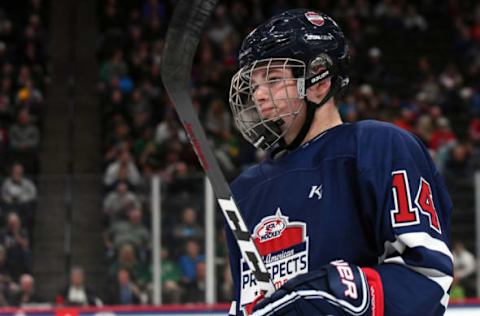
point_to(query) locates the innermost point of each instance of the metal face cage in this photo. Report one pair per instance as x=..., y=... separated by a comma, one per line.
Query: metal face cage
x=262, y=100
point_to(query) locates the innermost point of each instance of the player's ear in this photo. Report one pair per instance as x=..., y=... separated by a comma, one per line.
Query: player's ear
x=317, y=92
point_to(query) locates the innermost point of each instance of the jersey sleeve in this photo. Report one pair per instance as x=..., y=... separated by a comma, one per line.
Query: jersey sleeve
x=410, y=209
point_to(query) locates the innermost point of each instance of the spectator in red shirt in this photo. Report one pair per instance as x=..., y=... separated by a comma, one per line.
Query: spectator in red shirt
x=474, y=130
x=442, y=135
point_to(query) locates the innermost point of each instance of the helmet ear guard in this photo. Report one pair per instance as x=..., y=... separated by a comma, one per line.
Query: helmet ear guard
x=322, y=67
x=319, y=68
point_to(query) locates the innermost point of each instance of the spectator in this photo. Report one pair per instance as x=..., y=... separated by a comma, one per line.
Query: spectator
x=16, y=240
x=406, y=119
x=474, y=130
x=167, y=130
x=217, y=120
x=457, y=292
x=26, y=293
x=5, y=120
x=5, y=289
x=5, y=270
x=77, y=293
x=221, y=27
x=442, y=135
x=423, y=128
x=131, y=231
x=19, y=195
x=189, y=228
x=474, y=103
x=29, y=97
x=117, y=202
x=171, y=276
x=226, y=286
x=115, y=67
x=195, y=290
x=124, y=291
x=464, y=266
x=24, y=141
x=120, y=134
x=147, y=151
x=413, y=20
x=188, y=261
x=153, y=8
x=450, y=77
x=377, y=74
x=127, y=259
x=458, y=163
x=123, y=163
x=18, y=190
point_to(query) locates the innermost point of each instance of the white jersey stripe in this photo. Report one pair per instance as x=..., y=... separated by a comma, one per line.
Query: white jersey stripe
x=233, y=309
x=419, y=239
x=444, y=300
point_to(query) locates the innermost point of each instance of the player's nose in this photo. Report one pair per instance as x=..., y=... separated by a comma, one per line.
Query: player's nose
x=262, y=100
x=261, y=95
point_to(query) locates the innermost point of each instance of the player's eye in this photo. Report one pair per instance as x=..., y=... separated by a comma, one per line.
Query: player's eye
x=275, y=78
x=275, y=81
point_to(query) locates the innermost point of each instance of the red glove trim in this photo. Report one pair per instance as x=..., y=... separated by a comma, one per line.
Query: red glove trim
x=376, y=291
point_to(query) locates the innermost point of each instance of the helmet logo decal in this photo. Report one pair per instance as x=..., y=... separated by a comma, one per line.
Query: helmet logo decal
x=314, y=18
x=319, y=37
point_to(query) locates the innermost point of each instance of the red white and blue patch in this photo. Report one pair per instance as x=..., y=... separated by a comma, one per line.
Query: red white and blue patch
x=283, y=246
x=315, y=18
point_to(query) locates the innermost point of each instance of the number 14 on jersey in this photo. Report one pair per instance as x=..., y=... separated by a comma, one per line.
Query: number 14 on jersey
x=406, y=212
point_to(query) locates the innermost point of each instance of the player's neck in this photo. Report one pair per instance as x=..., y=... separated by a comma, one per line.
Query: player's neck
x=326, y=117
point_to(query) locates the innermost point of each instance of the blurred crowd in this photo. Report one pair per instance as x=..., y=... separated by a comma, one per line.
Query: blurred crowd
x=23, y=77
x=415, y=64
x=465, y=272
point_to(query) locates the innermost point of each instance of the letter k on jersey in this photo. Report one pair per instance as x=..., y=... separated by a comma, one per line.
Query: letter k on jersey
x=316, y=192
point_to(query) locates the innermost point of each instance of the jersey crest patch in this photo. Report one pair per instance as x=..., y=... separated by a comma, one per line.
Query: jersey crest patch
x=283, y=245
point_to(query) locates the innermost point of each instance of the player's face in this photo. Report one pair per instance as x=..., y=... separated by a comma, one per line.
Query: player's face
x=276, y=96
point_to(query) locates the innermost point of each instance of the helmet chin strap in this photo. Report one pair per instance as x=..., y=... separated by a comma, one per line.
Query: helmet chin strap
x=311, y=109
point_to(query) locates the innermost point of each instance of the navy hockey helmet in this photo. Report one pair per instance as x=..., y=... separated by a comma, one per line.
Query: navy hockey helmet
x=308, y=42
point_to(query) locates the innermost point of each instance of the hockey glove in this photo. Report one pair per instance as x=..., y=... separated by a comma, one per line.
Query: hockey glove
x=338, y=288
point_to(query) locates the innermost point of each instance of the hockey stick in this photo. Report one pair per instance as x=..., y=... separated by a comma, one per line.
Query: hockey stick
x=184, y=32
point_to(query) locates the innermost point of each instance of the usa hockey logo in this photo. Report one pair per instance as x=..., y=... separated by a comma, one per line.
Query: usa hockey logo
x=314, y=18
x=283, y=245
x=270, y=229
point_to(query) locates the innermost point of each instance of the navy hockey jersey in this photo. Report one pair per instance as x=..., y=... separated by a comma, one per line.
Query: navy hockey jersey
x=367, y=193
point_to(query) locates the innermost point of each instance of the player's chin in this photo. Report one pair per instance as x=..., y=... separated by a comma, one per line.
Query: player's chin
x=290, y=134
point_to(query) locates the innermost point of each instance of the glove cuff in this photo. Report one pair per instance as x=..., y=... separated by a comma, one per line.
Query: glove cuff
x=376, y=291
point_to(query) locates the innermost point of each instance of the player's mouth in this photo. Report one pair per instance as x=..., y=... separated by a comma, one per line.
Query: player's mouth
x=268, y=112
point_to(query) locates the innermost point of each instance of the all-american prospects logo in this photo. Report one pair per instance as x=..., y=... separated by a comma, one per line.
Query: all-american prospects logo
x=283, y=246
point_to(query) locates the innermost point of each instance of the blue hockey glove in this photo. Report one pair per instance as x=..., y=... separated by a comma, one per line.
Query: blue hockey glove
x=338, y=288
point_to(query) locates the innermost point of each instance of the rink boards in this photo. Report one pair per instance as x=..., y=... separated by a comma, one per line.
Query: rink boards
x=470, y=309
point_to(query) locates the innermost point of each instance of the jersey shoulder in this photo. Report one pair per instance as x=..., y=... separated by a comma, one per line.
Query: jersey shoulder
x=245, y=181
x=379, y=131
x=381, y=142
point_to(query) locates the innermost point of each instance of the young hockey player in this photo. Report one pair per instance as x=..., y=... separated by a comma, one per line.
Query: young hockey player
x=354, y=216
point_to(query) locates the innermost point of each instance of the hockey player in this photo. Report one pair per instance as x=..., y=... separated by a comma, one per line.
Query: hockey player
x=350, y=219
